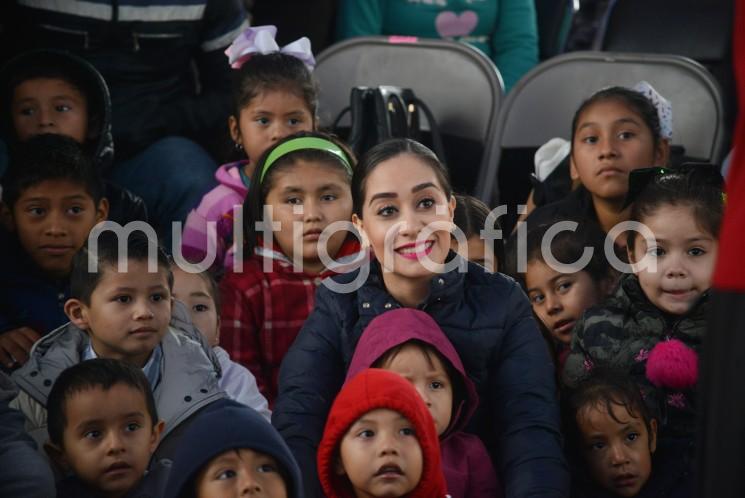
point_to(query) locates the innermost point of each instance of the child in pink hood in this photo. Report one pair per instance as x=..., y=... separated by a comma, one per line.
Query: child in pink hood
x=410, y=343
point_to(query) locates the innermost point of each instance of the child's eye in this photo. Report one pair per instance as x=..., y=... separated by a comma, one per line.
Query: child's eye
x=564, y=286
x=328, y=197
x=131, y=427
x=426, y=203
x=262, y=121
x=597, y=446
x=436, y=384
x=26, y=111
x=36, y=211
x=590, y=140
x=407, y=431
x=632, y=436
x=696, y=251
x=267, y=467
x=294, y=121
x=387, y=211
x=200, y=308
x=62, y=108
x=625, y=135
x=656, y=251
x=76, y=210
x=227, y=474
x=537, y=298
x=157, y=297
x=294, y=201
x=92, y=434
x=366, y=434
x=123, y=299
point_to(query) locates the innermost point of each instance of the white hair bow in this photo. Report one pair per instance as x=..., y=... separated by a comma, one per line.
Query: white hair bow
x=260, y=40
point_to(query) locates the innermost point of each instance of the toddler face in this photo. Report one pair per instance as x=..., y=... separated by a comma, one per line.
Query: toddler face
x=241, y=472
x=193, y=290
x=685, y=256
x=109, y=438
x=559, y=299
x=430, y=378
x=617, y=447
x=381, y=456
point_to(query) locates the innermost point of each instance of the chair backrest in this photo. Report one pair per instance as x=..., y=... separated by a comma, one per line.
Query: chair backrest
x=460, y=85
x=699, y=29
x=543, y=102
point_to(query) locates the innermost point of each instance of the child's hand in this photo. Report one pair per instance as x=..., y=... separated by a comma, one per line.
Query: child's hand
x=15, y=346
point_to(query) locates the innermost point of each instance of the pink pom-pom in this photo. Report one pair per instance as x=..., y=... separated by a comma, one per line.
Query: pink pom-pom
x=673, y=365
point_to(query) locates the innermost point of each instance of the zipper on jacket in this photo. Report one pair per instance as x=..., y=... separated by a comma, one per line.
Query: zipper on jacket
x=136, y=37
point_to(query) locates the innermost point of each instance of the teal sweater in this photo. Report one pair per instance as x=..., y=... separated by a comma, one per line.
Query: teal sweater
x=505, y=30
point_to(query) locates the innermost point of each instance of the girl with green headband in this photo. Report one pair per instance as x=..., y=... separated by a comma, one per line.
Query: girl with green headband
x=300, y=187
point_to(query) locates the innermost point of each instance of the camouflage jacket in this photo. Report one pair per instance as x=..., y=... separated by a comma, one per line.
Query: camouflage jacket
x=622, y=331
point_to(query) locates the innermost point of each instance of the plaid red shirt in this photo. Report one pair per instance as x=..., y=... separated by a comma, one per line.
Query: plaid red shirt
x=262, y=313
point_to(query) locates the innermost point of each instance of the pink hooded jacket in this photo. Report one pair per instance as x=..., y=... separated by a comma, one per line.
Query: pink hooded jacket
x=465, y=462
x=216, y=206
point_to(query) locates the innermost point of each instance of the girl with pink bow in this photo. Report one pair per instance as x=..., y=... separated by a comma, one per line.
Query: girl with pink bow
x=274, y=95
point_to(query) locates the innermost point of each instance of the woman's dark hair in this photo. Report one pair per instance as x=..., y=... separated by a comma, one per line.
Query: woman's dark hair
x=470, y=216
x=567, y=247
x=388, y=150
x=253, y=205
x=635, y=101
x=604, y=387
x=699, y=186
x=274, y=71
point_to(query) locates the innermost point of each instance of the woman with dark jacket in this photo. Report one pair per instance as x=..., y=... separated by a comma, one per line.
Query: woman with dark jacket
x=403, y=207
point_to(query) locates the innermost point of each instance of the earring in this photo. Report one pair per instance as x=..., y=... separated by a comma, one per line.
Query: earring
x=238, y=146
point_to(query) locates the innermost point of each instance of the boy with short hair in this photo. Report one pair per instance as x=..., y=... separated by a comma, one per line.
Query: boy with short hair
x=125, y=314
x=103, y=430
x=380, y=441
x=53, y=197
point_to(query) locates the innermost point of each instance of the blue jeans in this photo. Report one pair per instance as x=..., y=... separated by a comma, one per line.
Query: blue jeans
x=171, y=176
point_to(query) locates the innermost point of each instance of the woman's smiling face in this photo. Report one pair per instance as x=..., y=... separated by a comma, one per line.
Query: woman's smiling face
x=407, y=217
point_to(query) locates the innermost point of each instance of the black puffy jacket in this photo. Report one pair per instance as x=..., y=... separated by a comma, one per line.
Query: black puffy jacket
x=489, y=321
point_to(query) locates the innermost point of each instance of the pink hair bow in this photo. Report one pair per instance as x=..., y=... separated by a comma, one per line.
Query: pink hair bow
x=260, y=40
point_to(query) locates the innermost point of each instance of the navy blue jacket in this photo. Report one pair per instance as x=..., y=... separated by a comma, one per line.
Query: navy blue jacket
x=489, y=321
x=28, y=298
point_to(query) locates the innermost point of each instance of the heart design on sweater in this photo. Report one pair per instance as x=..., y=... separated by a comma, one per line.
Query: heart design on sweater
x=449, y=24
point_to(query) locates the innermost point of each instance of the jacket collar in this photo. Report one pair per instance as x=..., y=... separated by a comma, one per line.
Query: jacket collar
x=374, y=298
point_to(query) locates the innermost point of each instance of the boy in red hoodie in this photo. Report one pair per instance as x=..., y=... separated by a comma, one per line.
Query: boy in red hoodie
x=380, y=440
x=410, y=343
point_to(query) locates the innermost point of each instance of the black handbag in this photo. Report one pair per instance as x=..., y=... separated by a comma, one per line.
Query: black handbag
x=384, y=112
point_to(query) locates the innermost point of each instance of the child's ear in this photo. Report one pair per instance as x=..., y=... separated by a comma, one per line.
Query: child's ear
x=77, y=312
x=357, y=222
x=573, y=173
x=155, y=436
x=57, y=456
x=652, y=435
x=235, y=130
x=662, y=152
x=102, y=210
x=339, y=467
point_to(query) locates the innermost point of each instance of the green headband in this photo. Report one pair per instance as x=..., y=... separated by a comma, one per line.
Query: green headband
x=303, y=143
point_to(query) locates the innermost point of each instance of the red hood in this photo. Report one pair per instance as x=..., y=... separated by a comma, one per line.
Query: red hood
x=396, y=327
x=370, y=390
